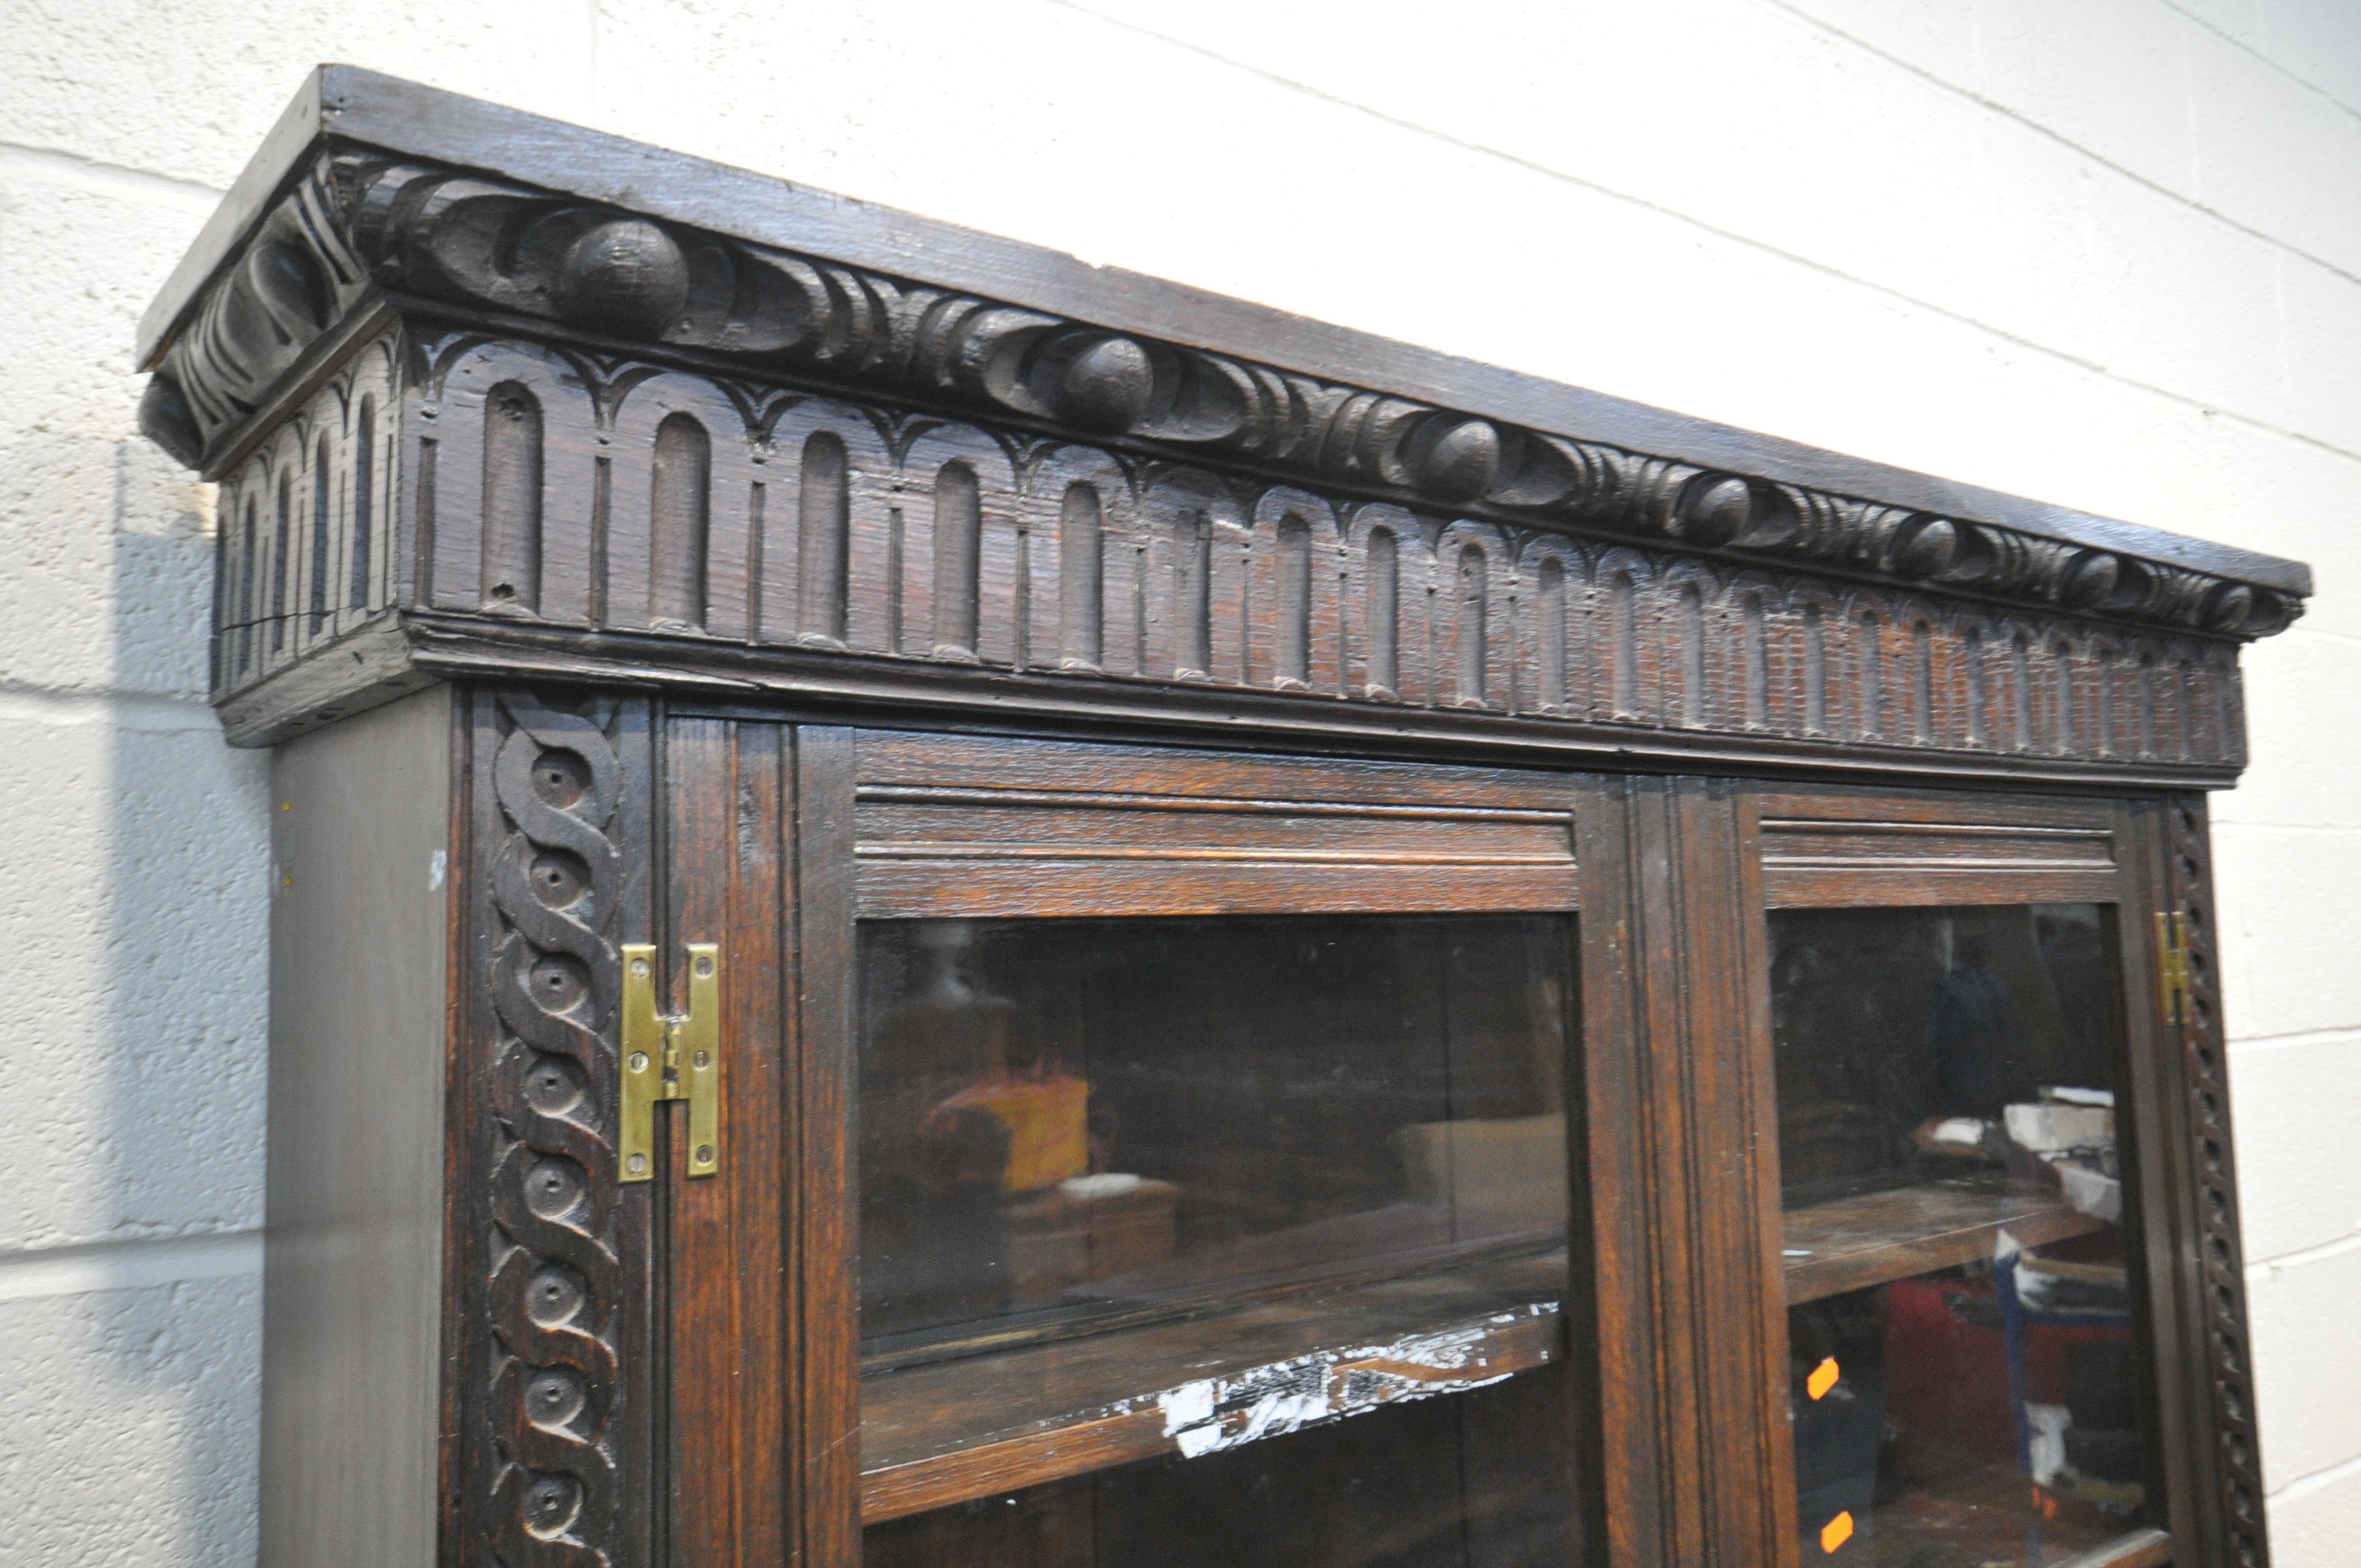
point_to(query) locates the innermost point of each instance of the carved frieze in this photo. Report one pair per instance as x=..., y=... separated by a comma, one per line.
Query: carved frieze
x=553, y=266
x=554, y=490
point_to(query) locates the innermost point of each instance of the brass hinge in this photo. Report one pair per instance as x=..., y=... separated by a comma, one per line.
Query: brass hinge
x=671, y=1057
x=2172, y=968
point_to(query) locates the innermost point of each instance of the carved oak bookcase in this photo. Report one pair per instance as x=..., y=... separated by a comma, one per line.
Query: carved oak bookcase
x=935, y=906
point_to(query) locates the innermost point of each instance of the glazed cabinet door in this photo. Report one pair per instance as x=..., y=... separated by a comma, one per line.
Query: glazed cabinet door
x=1975, y=1087
x=1130, y=1157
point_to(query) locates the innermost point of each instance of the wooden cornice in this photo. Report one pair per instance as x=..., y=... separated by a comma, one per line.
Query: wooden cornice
x=385, y=218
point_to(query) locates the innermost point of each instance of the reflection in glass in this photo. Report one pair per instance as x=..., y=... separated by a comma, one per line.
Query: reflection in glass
x=1969, y=1375
x=1191, y=1184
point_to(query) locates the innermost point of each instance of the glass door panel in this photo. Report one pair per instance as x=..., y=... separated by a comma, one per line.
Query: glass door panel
x=1150, y=1207
x=1971, y=1381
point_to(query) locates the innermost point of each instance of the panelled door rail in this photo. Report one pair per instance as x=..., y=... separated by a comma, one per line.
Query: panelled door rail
x=654, y=473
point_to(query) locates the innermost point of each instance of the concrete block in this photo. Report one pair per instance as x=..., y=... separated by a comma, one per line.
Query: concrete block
x=1760, y=146
x=1950, y=203
x=1773, y=140
x=2295, y=1106
x=2307, y=1363
x=2264, y=491
x=2317, y=41
x=2315, y=1522
x=2303, y=770
x=2109, y=76
x=2237, y=20
x=2278, y=158
x=2322, y=330
x=129, y=1425
x=2288, y=898
x=81, y=256
x=1938, y=39
x=105, y=537
x=136, y=864
x=2179, y=301
x=188, y=90
x=1541, y=273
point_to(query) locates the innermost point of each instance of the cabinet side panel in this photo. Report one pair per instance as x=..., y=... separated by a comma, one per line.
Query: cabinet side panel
x=353, y=1274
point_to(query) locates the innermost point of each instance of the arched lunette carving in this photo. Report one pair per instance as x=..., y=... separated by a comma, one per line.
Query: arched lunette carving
x=1202, y=576
x=679, y=496
x=1624, y=632
x=1298, y=602
x=1080, y=576
x=1550, y=651
x=1474, y=604
x=531, y=532
x=829, y=485
x=1691, y=600
x=955, y=482
x=1390, y=567
x=1761, y=672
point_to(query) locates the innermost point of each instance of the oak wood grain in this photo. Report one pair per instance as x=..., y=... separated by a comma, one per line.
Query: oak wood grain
x=826, y=1358
x=730, y=1318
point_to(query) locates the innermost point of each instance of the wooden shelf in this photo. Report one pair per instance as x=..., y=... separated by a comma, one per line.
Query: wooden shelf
x=1854, y=1243
x=934, y=1435
x=945, y=1432
x=1978, y=1513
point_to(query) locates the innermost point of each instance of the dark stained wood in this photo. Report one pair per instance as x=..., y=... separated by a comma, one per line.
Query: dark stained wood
x=826, y=1358
x=2161, y=1168
x=723, y=677
x=2185, y=1167
x=1689, y=1303
x=976, y=829
x=1184, y=606
x=1199, y=519
x=1843, y=849
x=2152, y=854
x=2237, y=1463
x=420, y=122
x=1648, y=1466
x=1414, y=612
x=550, y=1341
x=1048, y=1526
x=1855, y=1243
x=1484, y=1476
x=949, y=1430
x=1677, y=1409
x=942, y=1433
x=732, y=1300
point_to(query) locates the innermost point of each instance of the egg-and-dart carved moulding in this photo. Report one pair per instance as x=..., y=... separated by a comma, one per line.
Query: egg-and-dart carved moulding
x=470, y=420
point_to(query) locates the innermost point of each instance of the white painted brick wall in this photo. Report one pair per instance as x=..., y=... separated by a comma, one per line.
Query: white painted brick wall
x=2103, y=252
